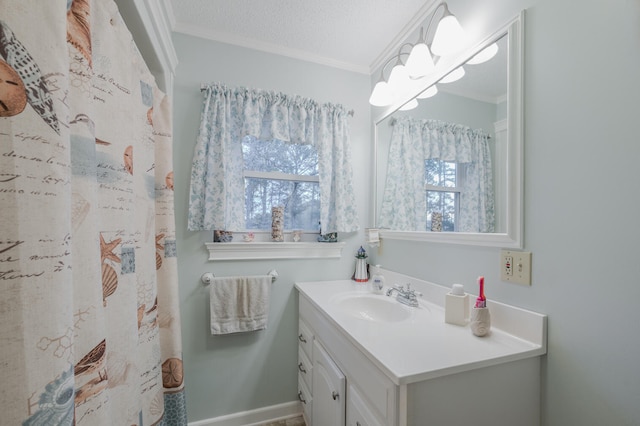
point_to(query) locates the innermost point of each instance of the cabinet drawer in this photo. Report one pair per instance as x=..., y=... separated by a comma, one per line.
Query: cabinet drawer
x=304, y=395
x=305, y=368
x=305, y=339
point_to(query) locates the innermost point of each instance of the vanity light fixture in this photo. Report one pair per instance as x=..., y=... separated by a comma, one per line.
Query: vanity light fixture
x=454, y=75
x=431, y=91
x=420, y=63
x=399, y=80
x=413, y=103
x=448, y=39
x=484, y=55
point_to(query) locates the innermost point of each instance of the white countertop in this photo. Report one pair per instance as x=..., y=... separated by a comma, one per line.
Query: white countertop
x=424, y=346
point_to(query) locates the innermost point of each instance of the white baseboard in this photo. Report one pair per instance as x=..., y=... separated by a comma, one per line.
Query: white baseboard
x=254, y=417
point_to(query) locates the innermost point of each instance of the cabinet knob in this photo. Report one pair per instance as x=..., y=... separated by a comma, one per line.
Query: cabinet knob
x=304, y=401
x=335, y=395
x=301, y=338
x=301, y=368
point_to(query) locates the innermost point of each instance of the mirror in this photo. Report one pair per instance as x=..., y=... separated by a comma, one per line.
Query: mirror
x=484, y=106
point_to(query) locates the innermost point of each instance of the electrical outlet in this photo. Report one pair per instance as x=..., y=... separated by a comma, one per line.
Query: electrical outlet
x=515, y=266
x=507, y=265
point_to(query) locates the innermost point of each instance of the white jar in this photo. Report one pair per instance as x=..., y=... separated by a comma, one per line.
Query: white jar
x=456, y=306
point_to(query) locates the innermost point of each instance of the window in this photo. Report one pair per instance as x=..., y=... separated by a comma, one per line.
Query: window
x=442, y=184
x=278, y=173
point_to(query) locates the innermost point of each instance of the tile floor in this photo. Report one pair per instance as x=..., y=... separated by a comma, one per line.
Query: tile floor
x=295, y=421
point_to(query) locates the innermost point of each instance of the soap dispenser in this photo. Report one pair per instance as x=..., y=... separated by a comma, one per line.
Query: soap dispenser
x=456, y=306
x=377, y=282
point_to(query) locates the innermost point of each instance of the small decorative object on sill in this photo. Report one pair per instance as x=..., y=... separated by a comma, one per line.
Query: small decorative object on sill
x=331, y=237
x=248, y=237
x=361, y=274
x=277, y=224
x=220, y=236
x=297, y=235
x=436, y=222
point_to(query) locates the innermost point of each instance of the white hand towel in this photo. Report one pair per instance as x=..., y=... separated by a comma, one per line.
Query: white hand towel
x=239, y=304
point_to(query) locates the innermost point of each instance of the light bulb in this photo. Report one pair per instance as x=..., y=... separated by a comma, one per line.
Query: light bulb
x=382, y=94
x=449, y=37
x=484, y=55
x=431, y=91
x=420, y=62
x=454, y=75
x=399, y=80
x=409, y=105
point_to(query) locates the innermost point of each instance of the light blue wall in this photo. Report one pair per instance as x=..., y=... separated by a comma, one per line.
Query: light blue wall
x=581, y=211
x=581, y=204
x=229, y=374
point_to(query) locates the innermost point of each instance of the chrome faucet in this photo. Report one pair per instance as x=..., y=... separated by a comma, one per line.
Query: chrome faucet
x=406, y=296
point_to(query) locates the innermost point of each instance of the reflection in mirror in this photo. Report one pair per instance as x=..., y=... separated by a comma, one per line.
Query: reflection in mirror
x=441, y=155
x=449, y=169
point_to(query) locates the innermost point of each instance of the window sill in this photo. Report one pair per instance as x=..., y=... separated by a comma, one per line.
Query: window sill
x=271, y=250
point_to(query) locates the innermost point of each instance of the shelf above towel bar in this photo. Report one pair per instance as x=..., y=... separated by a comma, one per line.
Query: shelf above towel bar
x=208, y=277
x=271, y=250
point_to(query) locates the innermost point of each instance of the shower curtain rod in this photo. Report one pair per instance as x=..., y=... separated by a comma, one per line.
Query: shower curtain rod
x=203, y=87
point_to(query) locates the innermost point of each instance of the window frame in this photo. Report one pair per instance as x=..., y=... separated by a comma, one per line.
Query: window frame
x=279, y=176
x=456, y=190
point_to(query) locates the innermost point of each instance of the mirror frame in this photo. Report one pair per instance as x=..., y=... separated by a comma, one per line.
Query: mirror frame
x=513, y=237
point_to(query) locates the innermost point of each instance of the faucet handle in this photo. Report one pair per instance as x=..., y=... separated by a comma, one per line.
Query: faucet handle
x=411, y=292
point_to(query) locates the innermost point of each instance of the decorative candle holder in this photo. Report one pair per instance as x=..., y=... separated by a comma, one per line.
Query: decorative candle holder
x=277, y=224
x=480, y=322
x=436, y=222
x=297, y=235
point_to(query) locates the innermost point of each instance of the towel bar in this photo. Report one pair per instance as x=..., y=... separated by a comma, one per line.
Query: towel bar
x=207, y=277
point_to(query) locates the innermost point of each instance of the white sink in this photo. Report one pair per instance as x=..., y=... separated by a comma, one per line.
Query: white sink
x=372, y=307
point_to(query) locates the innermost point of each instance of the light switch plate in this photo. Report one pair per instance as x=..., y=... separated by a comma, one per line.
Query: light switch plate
x=515, y=266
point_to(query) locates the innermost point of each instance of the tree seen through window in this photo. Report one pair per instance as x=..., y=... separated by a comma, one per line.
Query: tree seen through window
x=279, y=173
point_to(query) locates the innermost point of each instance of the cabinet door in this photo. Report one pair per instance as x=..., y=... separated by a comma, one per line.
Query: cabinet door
x=358, y=413
x=328, y=390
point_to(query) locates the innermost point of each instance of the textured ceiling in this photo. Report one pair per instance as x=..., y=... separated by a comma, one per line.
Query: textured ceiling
x=350, y=34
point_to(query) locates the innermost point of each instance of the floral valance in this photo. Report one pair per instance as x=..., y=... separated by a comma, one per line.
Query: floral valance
x=230, y=114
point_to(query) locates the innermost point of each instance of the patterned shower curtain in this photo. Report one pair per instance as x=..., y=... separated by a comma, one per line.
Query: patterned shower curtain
x=89, y=321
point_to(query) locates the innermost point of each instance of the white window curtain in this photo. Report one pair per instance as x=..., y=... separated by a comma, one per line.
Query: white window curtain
x=228, y=114
x=413, y=141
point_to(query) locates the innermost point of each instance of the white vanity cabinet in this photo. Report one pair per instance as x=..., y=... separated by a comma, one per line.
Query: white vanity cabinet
x=418, y=372
x=340, y=374
x=329, y=395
